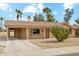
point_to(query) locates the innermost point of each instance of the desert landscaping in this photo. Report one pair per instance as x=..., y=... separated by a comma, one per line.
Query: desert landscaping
x=52, y=43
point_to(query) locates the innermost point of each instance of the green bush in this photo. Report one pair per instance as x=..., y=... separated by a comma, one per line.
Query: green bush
x=60, y=33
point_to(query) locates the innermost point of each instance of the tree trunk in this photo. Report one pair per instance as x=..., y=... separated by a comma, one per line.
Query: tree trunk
x=17, y=18
x=1, y=24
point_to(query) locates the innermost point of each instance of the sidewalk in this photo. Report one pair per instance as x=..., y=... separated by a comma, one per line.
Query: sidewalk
x=53, y=51
x=60, y=51
x=49, y=52
x=44, y=52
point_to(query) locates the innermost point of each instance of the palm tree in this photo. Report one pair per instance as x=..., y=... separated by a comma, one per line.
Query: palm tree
x=36, y=17
x=47, y=10
x=41, y=17
x=1, y=18
x=68, y=15
x=29, y=18
x=50, y=17
x=18, y=14
x=77, y=21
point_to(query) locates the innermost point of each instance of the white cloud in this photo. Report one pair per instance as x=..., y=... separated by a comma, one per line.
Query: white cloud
x=4, y=6
x=10, y=15
x=30, y=8
x=55, y=12
x=40, y=6
x=34, y=8
x=34, y=4
x=68, y=4
x=10, y=9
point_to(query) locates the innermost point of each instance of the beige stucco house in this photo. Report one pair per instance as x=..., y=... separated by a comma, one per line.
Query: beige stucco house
x=33, y=30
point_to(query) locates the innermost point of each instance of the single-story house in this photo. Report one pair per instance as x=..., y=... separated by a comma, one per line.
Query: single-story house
x=76, y=28
x=33, y=30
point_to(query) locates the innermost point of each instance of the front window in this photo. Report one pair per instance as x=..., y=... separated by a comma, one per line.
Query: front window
x=36, y=31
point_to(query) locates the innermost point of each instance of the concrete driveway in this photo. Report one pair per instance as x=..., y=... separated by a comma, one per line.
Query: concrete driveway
x=16, y=46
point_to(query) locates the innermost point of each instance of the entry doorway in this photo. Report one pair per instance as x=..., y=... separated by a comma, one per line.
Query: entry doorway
x=47, y=32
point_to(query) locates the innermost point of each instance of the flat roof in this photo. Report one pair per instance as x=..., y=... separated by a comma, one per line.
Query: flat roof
x=20, y=24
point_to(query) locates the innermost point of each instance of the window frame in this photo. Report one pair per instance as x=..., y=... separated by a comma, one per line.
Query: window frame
x=36, y=33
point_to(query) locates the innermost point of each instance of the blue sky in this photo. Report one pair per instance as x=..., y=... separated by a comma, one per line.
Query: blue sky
x=8, y=10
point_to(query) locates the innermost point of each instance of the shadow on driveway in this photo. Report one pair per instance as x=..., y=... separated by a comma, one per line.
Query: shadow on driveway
x=73, y=54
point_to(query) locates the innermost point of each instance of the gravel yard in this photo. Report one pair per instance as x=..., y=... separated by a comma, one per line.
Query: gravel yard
x=52, y=43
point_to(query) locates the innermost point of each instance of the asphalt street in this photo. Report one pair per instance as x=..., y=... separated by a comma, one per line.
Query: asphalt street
x=73, y=54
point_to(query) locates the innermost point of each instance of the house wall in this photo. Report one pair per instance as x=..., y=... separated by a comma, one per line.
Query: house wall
x=72, y=33
x=20, y=32
x=76, y=32
x=36, y=36
x=48, y=34
x=23, y=33
x=51, y=35
x=16, y=32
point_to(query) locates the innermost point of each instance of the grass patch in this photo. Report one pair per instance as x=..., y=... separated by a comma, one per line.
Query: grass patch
x=2, y=46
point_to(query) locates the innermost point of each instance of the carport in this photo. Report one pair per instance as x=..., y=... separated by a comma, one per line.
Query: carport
x=21, y=33
x=17, y=32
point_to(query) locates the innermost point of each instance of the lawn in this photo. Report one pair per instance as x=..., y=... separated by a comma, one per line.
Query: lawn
x=52, y=43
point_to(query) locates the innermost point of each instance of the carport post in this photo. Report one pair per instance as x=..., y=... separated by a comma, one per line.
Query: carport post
x=73, y=32
x=27, y=33
x=7, y=33
x=44, y=32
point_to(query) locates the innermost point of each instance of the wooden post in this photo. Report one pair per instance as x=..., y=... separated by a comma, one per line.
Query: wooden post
x=49, y=35
x=27, y=33
x=14, y=33
x=44, y=32
x=7, y=33
x=73, y=32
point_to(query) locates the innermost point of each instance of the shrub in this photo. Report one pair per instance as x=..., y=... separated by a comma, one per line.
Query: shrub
x=60, y=33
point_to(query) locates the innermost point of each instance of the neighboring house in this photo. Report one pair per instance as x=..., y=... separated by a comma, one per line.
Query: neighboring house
x=76, y=28
x=33, y=30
